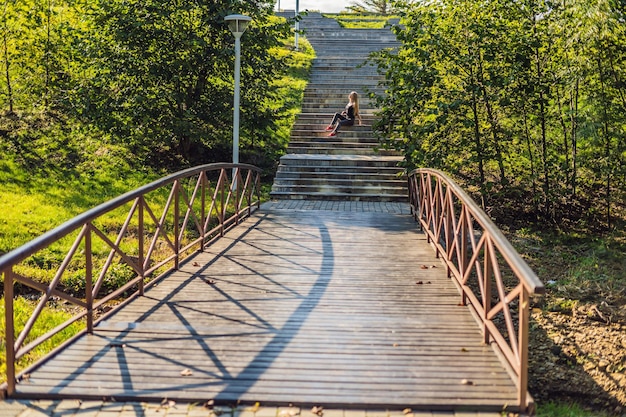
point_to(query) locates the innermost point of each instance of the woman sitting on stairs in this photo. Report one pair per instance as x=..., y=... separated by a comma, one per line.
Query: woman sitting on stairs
x=346, y=117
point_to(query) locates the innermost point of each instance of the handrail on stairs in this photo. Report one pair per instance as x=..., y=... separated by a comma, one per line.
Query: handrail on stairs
x=167, y=221
x=493, y=279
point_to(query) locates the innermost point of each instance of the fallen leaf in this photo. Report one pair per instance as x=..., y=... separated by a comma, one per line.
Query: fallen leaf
x=467, y=382
x=407, y=411
x=395, y=345
x=211, y=282
x=318, y=410
x=209, y=404
x=419, y=282
x=433, y=266
x=196, y=264
x=424, y=267
x=186, y=372
x=291, y=412
x=255, y=407
x=464, y=350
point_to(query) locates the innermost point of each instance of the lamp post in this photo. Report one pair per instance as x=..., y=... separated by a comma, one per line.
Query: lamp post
x=237, y=24
x=297, y=24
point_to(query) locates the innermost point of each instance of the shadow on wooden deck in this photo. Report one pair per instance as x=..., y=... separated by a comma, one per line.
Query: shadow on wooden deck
x=345, y=309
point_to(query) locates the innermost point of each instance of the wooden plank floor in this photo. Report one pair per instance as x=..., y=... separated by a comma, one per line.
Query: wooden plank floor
x=293, y=306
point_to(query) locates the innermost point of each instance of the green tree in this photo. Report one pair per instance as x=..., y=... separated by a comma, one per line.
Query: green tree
x=164, y=85
x=515, y=98
x=374, y=6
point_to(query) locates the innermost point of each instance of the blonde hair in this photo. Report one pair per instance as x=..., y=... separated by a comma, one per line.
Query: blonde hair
x=354, y=99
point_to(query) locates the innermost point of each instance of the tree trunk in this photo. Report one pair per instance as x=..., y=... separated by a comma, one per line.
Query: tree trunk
x=7, y=63
x=478, y=143
x=493, y=122
x=574, y=127
x=531, y=156
x=544, y=139
x=564, y=130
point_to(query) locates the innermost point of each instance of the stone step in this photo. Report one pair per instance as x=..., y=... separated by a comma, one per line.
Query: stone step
x=324, y=92
x=345, y=161
x=318, y=125
x=318, y=178
x=302, y=130
x=367, y=116
x=337, y=150
x=387, y=172
x=329, y=150
x=352, y=173
x=334, y=142
x=329, y=187
x=348, y=166
x=334, y=196
x=356, y=187
x=358, y=63
x=309, y=104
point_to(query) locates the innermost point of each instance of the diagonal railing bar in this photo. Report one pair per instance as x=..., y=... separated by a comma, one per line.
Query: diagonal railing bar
x=160, y=229
x=148, y=266
x=109, y=260
x=117, y=249
x=190, y=212
x=506, y=310
x=479, y=260
x=497, y=308
x=46, y=295
x=212, y=210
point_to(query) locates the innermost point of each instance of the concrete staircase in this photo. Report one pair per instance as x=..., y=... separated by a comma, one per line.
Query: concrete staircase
x=348, y=166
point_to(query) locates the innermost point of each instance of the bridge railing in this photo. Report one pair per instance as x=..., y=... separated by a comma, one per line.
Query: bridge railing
x=166, y=221
x=493, y=279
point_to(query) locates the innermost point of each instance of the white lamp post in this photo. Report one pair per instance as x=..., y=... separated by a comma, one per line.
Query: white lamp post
x=297, y=23
x=237, y=24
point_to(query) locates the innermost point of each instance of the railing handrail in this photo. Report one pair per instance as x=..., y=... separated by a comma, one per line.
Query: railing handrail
x=449, y=217
x=19, y=254
x=229, y=201
x=530, y=280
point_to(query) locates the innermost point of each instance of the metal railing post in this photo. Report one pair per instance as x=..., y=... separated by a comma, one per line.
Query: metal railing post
x=140, y=243
x=524, y=322
x=487, y=270
x=89, y=280
x=176, y=223
x=9, y=330
x=203, y=186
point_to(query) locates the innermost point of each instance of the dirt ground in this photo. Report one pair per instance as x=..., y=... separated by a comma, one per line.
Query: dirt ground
x=579, y=355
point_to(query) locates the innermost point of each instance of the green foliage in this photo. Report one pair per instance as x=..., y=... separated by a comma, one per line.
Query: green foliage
x=362, y=20
x=99, y=114
x=146, y=78
x=515, y=99
x=164, y=77
x=382, y=7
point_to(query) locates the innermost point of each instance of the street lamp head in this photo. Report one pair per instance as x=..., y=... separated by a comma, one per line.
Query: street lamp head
x=238, y=23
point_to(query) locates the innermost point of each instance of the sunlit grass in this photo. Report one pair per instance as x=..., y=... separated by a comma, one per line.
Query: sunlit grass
x=361, y=21
x=555, y=409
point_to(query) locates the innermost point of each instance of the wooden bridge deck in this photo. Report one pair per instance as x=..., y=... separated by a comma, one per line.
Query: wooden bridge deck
x=305, y=307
